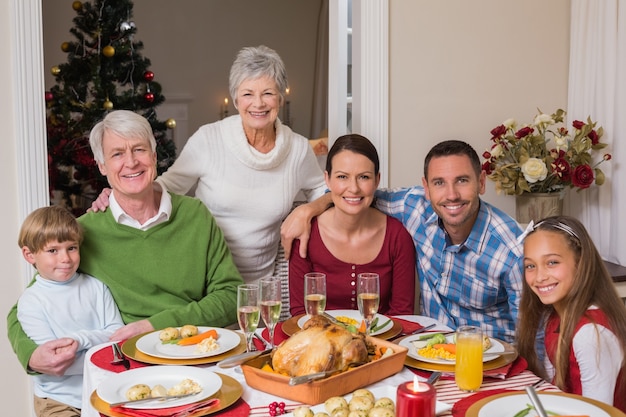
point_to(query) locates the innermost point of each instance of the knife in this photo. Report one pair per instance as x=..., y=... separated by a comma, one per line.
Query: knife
x=423, y=329
x=241, y=358
x=158, y=399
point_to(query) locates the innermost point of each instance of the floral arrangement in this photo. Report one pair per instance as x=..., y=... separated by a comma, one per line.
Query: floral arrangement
x=544, y=157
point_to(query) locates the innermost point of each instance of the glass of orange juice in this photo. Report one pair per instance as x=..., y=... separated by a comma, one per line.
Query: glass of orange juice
x=468, y=370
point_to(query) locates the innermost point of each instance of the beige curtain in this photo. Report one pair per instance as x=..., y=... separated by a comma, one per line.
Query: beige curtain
x=597, y=88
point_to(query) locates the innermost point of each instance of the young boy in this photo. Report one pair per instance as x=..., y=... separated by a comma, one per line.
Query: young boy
x=62, y=303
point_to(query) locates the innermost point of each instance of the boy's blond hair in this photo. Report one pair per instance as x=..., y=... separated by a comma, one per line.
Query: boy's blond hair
x=48, y=224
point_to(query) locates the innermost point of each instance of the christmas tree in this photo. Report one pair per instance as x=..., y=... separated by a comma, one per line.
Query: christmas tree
x=104, y=71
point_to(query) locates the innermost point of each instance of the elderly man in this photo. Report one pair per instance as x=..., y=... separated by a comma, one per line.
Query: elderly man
x=162, y=255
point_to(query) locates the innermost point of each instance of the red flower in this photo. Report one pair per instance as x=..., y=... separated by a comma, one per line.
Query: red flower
x=561, y=167
x=582, y=176
x=488, y=167
x=578, y=124
x=497, y=132
x=523, y=132
x=593, y=135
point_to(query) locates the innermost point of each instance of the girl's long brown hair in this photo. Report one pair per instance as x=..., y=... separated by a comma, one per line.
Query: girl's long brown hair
x=593, y=285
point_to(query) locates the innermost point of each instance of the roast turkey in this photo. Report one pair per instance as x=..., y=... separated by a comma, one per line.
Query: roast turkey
x=319, y=346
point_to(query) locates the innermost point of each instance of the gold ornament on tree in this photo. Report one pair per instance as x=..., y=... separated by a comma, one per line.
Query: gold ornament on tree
x=170, y=123
x=77, y=6
x=55, y=71
x=65, y=46
x=107, y=105
x=108, y=51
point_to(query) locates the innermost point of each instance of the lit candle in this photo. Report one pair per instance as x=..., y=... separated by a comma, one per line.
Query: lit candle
x=286, y=112
x=415, y=399
x=225, y=108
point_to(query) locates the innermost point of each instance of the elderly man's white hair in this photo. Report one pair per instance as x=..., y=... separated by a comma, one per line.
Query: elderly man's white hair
x=124, y=123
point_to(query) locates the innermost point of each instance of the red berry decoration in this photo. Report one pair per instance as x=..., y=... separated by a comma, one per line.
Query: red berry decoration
x=148, y=76
x=149, y=97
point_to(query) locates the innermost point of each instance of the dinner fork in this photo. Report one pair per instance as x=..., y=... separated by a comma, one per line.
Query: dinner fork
x=118, y=357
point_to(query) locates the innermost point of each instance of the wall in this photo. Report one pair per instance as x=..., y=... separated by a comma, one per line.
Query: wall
x=14, y=383
x=192, y=44
x=459, y=68
x=455, y=71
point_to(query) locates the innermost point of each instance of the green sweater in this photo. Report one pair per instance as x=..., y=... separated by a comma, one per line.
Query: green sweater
x=178, y=272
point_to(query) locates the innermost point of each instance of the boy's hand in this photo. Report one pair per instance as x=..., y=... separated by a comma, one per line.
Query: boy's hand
x=131, y=330
x=54, y=357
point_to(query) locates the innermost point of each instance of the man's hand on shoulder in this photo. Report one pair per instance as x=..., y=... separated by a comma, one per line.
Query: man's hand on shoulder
x=102, y=202
x=54, y=357
x=297, y=225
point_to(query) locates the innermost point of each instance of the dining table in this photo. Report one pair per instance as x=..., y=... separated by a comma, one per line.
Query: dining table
x=254, y=402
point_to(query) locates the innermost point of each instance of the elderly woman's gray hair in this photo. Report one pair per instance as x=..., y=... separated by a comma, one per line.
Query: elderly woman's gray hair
x=124, y=123
x=255, y=62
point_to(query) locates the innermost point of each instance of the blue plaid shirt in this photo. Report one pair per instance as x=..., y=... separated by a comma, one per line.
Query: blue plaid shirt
x=478, y=282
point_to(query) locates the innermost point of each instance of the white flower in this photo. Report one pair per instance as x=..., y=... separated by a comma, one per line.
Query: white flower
x=534, y=170
x=509, y=123
x=560, y=143
x=497, y=151
x=543, y=119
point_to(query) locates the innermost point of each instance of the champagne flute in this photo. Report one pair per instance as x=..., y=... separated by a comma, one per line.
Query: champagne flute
x=271, y=302
x=368, y=297
x=248, y=311
x=314, y=293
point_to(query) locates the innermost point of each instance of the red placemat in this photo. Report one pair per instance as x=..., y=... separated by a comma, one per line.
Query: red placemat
x=103, y=357
x=279, y=335
x=460, y=407
x=408, y=326
x=238, y=409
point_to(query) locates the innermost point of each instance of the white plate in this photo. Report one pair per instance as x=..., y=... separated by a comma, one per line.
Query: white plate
x=353, y=314
x=150, y=344
x=509, y=405
x=490, y=354
x=113, y=389
x=379, y=392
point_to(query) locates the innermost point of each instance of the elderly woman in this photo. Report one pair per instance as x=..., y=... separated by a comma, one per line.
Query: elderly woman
x=249, y=168
x=146, y=249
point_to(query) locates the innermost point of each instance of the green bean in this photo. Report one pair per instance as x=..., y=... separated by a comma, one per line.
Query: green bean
x=376, y=328
x=373, y=323
x=524, y=412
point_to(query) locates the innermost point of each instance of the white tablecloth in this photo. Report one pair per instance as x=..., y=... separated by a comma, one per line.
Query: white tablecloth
x=446, y=389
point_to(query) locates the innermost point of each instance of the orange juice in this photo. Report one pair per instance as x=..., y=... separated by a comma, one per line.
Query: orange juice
x=468, y=370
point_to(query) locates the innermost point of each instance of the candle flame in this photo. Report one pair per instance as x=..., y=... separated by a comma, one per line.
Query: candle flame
x=287, y=91
x=226, y=101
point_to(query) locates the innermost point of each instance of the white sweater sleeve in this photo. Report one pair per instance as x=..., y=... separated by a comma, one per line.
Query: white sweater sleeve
x=599, y=356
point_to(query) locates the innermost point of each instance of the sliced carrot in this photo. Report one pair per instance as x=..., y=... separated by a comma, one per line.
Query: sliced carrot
x=362, y=328
x=448, y=347
x=198, y=338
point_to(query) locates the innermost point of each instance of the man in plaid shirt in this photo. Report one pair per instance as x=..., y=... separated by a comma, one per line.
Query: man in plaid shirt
x=469, y=259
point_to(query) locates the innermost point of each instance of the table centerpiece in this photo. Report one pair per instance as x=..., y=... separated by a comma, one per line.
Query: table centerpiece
x=538, y=162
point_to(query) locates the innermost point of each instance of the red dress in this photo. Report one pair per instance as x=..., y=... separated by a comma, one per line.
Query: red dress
x=574, y=384
x=395, y=264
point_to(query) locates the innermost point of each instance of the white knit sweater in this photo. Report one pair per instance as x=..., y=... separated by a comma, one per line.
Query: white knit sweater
x=249, y=193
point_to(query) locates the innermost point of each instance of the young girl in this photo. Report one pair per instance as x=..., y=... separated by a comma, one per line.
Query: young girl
x=569, y=291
